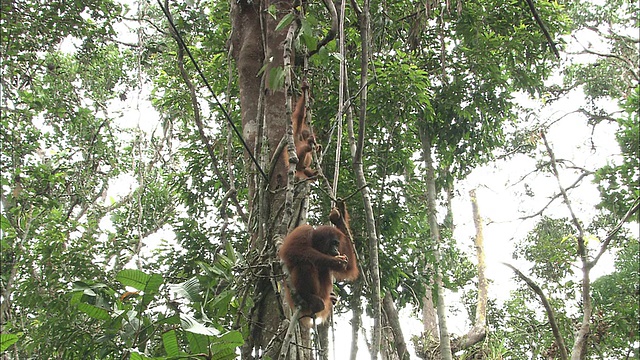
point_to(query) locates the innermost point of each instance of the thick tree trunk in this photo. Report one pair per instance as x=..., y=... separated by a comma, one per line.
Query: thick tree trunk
x=253, y=40
x=429, y=317
x=248, y=52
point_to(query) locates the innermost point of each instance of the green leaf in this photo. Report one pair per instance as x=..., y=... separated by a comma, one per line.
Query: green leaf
x=7, y=340
x=138, y=356
x=276, y=78
x=225, y=346
x=170, y=343
x=305, y=27
x=286, y=20
x=309, y=41
x=154, y=283
x=134, y=278
x=76, y=297
x=4, y=223
x=189, y=289
x=263, y=68
x=139, y=280
x=94, y=311
x=271, y=10
x=198, y=343
x=149, y=284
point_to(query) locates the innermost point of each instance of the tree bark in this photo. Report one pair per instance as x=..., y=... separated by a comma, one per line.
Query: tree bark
x=579, y=351
x=248, y=52
x=374, y=266
x=264, y=123
x=445, y=343
x=356, y=321
x=479, y=330
x=356, y=147
x=548, y=309
x=323, y=338
x=394, y=322
x=429, y=317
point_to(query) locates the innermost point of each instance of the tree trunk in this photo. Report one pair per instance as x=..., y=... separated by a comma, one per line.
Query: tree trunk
x=248, y=52
x=356, y=321
x=264, y=123
x=429, y=317
x=445, y=344
x=323, y=338
x=479, y=330
x=579, y=351
x=356, y=146
x=374, y=266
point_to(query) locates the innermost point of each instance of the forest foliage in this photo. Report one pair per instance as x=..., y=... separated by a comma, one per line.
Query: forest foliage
x=124, y=203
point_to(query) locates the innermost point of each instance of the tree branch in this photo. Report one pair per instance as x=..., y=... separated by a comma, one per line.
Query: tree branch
x=580, y=343
x=557, y=195
x=565, y=196
x=634, y=208
x=198, y=120
x=543, y=27
x=629, y=66
x=548, y=309
x=331, y=34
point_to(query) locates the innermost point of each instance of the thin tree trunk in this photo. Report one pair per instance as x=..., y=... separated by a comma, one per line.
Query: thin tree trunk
x=387, y=351
x=356, y=322
x=445, y=343
x=323, y=338
x=579, y=351
x=356, y=152
x=478, y=332
x=483, y=286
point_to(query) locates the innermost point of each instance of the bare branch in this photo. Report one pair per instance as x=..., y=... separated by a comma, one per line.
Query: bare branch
x=634, y=208
x=565, y=196
x=558, y=195
x=198, y=120
x=543, y=27
x=597, y=117
x=548, y=309
x=629, y=65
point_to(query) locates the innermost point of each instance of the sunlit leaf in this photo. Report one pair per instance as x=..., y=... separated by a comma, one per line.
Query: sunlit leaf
x=7, y=340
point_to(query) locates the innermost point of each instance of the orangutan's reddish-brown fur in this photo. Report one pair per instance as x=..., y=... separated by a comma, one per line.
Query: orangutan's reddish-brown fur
x=314, y=257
